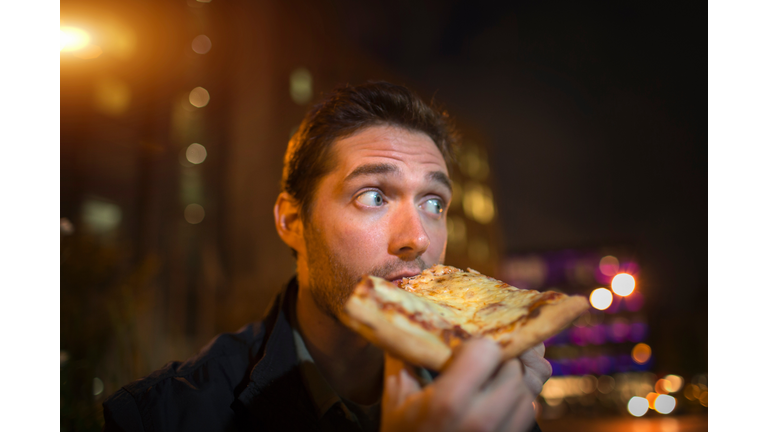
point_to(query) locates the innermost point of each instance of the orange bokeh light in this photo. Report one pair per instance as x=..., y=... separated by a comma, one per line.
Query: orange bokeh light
x=641, y=353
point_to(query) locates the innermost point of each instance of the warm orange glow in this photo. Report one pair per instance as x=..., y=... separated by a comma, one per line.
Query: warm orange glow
x=651, y=398
x=691, y=392
x=674, y=383
x=661, y=386
x=601, y=299
x=201, y=44
x=704, y=398
x=89, y=52
x=112, y=96
x=73, y=39
x=623, y=284
x=641, y=353
x=199, y=97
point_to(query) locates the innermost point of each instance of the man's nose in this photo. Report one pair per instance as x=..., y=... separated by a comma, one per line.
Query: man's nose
x=408, y=238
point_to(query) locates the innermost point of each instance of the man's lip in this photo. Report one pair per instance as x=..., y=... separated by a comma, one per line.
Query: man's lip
x=400, y=276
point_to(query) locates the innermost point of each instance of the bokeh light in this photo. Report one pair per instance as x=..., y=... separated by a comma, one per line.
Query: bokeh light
x=641, y=353
x=89, y=52
x=704, y=398
x=673, y=383
x=112, y=96
x=691, y=392
x=194, y=213
x=73, y=39
x=196, y=153
x=664, y=404
x=199, y=97
x=601, y=298
x=301, y=86
x=661, y=386
x=98, y=386
x=201, y=44
x=651, y=398
x=623, y=284
x=588, y=384
x=605, y=384
x=609, y=265
x=478, y=202
x=457, y=231
x=637, y=406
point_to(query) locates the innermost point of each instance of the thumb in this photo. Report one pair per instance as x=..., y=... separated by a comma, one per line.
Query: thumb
x=400, y=381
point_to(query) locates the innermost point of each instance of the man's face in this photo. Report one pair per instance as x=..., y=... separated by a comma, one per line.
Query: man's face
x=380, y=211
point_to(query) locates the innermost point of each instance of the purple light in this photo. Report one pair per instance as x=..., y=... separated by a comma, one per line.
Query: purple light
x=629, y=267
x=624, y=363
x=615, y=304
x=577, y=336
x=580, y=366
x=601, y=278
x=557, y=368
x=604, y=364
x=634, y=301
x=645, y=366
x=638, y=331
x=619, y=331
x=597, y=335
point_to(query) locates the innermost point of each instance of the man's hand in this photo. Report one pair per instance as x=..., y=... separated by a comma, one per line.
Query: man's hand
x=477, y=392
x=537, y=369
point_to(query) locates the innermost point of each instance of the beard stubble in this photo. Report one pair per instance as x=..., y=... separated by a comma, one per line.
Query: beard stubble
x=331, y=282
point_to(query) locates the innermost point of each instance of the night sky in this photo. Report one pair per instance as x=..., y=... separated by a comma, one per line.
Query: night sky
x=596, y=119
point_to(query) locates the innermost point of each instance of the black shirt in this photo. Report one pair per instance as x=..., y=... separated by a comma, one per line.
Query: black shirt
x=249, y=380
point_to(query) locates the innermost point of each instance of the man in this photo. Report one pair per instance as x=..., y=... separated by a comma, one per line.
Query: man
x=365, y=190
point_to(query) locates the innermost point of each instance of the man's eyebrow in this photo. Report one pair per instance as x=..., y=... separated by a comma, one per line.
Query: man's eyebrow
x=441, y=177
x=369, y=169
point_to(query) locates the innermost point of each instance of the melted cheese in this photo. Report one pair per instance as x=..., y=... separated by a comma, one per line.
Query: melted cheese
x=476, y=302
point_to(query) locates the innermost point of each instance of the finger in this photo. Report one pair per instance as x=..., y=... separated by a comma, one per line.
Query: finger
x=400, y=381
x=537, y=370
x=533, y=356
x=468, y=370
x=521, y=416
x=492, y=408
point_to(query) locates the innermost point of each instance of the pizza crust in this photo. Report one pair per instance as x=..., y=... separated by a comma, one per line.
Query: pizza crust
x=552, y=318
x=395, y=334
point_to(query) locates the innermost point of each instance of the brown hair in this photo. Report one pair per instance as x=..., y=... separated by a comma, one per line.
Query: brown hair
x=345, y=111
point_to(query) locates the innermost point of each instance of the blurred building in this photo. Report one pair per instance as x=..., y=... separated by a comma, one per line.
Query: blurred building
x=604, y=363
x=174, y=120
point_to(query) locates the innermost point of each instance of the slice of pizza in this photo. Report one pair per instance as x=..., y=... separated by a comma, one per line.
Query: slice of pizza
x=430, y=314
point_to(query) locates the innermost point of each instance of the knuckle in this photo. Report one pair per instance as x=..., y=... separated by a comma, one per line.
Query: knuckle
x=446, y=407
x=547, y=369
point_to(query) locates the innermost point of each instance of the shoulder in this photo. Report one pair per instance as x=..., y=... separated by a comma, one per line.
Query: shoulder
x=191, y=395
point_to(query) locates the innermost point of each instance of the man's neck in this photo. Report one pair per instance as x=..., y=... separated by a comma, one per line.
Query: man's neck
x=350, y=364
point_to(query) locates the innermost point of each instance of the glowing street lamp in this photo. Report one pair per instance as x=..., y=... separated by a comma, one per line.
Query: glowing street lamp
x=73, y=39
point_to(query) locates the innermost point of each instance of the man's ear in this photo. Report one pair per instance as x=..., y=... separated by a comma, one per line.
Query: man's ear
x=288, y=222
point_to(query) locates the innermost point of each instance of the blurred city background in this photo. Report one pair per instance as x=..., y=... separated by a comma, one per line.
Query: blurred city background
x=582, y=169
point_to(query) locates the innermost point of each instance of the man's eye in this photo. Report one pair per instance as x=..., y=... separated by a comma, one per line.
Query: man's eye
x=371, y=199
x=434, y=205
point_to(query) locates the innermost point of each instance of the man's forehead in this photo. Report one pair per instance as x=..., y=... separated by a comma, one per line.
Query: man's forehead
x=392, y=169
x=371, y=149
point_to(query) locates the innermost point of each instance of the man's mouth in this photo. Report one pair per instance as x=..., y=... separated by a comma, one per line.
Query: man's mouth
x=397, y=278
